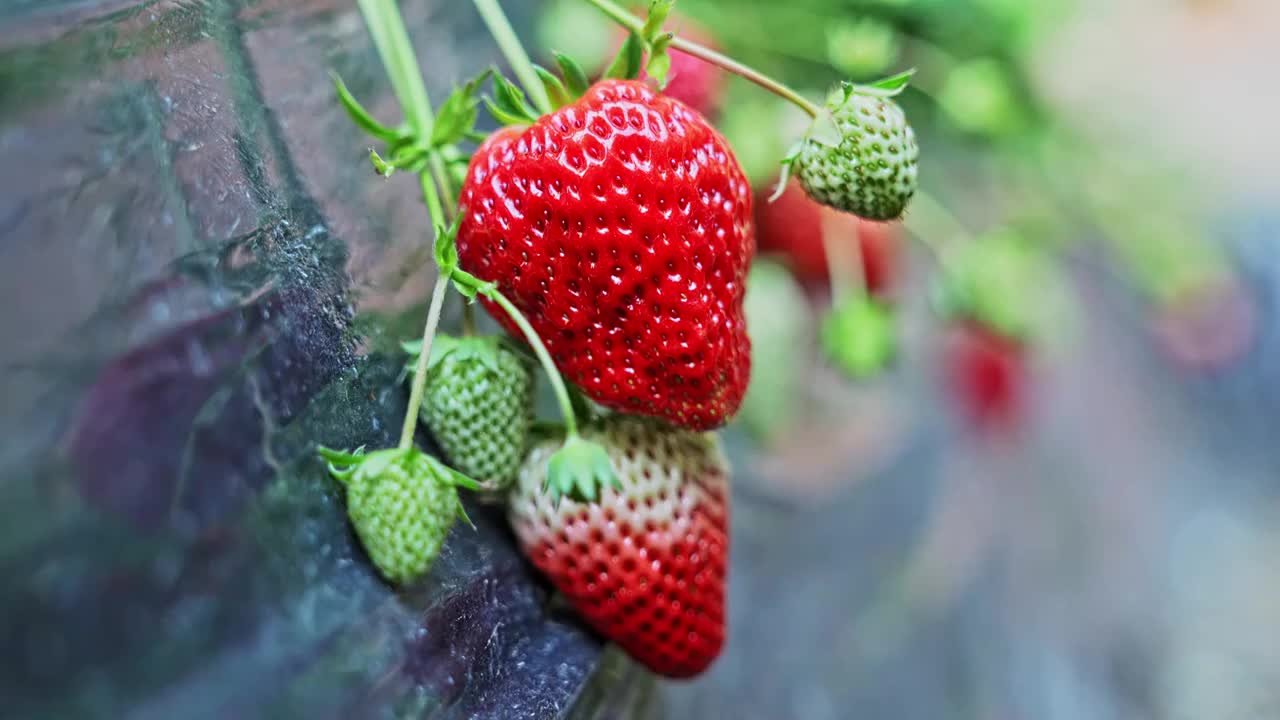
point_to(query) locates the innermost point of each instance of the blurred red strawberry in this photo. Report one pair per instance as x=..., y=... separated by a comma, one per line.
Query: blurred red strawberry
x=795, y=227
x=986, y=374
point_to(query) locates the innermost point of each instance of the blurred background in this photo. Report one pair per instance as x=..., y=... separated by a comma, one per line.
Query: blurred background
x=1033, y=475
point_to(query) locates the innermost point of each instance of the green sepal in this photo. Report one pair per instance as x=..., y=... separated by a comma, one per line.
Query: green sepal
x=859, y=337
x=336, y=459
x=659, y=59
x=579, y=469
x=380, y=166
x=556, y=91
x=575, y=78
x=784, y=173
x=626, y=64
x=359, y=115
x=658, y=12
x=508, y=105
x=469, y=285
x=482, y=349
x=891, y=86
x=446, y=247
x=457, y=116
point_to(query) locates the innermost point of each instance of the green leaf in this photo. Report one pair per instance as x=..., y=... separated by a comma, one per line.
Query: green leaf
x=359, y=115
x=658, y=12
x=660, y=60
x=556, y=91
x=446, y=249
x=457, y=116
x=626, y=64
x=575, y=79
x=468, y=285
x=579, y=469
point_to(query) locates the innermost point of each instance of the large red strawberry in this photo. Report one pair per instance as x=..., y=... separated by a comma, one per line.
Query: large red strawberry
x=645, y=565
x=620, y=225
x=986, y=374
x=797, y=227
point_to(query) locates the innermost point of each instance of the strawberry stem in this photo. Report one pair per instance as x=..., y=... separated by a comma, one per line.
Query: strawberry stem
x=420, y=370
x=846, y=265
x=636, y=25
x=935, y=227
x=503, y=34
x=544, y=357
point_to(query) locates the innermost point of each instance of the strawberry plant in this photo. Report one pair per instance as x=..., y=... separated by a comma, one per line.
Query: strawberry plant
x=608, y=228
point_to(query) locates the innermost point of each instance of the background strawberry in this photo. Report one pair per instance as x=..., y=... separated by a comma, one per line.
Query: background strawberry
x=986, y=374
x=478, y=405
x=795, y=227
x=620, y=225
x=645, y=566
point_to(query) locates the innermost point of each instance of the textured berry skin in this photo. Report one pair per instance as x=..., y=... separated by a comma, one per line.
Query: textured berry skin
x=621, y=227
x=402, y=504
x=986, y=373
x=479, y=407
x=795, y=227
x=645, y=566
x=871, y=169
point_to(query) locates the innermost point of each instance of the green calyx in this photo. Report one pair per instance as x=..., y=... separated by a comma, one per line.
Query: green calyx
x=860, y=155
x=405, y=149
x=859, y=337
x=579, y=469
x=646, y=41
x=402, y=503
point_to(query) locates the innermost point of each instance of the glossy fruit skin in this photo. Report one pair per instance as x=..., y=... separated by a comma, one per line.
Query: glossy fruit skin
x=480, y=410
x=645, y=566
x=621, y=227
x=795, y=226
x=987, y=375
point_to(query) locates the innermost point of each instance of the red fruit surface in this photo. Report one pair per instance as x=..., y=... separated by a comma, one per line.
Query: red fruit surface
x=645, y=566
x=794, y=226
x=987, y=375
x=621, y=227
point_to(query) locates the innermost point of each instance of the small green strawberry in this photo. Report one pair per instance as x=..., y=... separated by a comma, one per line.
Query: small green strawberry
x=860, y=155
x=859, y=336
x=402, y=503
x=478, y=405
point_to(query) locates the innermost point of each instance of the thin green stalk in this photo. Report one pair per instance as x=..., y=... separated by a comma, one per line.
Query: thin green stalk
x=846, y=281
x=514, y=52
x=934, y=226
x=420, y=370
x=636, y=25
x=544, y=357
x=382, y=17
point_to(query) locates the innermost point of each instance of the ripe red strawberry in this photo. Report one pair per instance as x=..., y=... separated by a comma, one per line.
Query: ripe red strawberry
x=796, y=227
x=987, y=375
x=645, y=566
x=620, y=225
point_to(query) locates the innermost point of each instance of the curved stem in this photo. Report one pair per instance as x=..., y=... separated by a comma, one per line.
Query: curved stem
x=934, y=226
x=544, y=357
x=420, y=371
x=514, y=52
x=382, y=17
x=636, y=25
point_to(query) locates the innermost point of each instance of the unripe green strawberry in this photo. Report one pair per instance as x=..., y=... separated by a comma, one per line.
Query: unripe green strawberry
x=861, y=155
x=402, y=503
x=478, y=405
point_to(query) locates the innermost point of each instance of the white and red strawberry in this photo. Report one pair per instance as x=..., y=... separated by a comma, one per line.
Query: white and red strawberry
x=645, y=564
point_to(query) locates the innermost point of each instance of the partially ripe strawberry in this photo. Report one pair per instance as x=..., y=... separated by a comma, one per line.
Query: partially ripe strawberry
x=863, y=157
x=402, y=503
x=645, y=565
x=797, y=227
x=986, y=374
x=620, y=225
